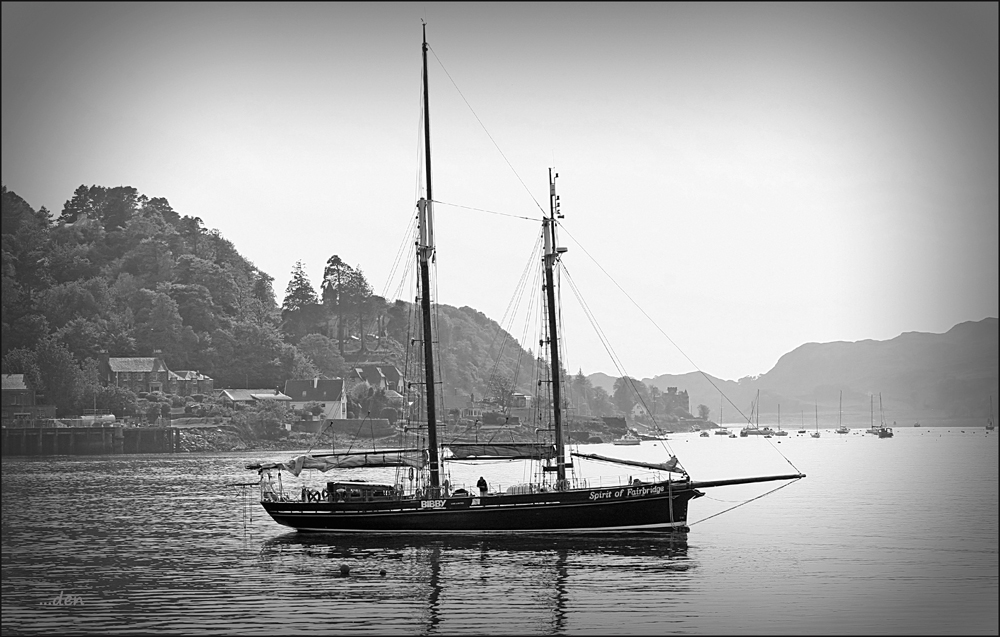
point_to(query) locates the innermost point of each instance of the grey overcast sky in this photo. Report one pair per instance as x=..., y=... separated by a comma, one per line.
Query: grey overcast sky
x=755, y=176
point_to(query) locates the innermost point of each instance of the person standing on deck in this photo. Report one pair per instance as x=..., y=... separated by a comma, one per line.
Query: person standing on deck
x=482, y=486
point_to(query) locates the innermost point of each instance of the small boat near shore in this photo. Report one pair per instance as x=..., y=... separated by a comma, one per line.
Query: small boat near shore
x=627, y=439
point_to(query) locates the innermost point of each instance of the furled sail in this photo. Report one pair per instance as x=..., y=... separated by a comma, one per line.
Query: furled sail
x=389, y=458
x=672, y=465
x=506, y=451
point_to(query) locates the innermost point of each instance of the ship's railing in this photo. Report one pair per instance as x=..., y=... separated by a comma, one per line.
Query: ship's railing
x=272, y=489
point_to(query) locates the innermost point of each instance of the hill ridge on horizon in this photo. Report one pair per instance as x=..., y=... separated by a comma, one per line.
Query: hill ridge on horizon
x=918, y=374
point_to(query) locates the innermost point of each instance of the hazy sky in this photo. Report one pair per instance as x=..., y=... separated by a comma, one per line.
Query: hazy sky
x=754, y=176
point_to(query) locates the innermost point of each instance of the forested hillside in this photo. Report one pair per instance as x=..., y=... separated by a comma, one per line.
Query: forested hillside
x=124, y=274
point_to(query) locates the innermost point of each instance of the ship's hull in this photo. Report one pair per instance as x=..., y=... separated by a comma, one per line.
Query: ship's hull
x=650, y=507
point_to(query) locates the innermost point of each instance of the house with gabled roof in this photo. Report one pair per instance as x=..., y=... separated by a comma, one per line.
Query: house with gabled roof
x=372, y=375
x=327, y=392
x=150, y=373
x=137, y=373
x=20, y=405
x=393, y=378
x=188, y=382
x=377, y=375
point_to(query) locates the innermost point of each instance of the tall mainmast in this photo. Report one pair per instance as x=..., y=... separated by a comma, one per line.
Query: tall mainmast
x=552, y=252
x=425, y=254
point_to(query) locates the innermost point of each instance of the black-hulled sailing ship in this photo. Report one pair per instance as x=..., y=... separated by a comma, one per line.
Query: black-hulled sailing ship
x=420, y=501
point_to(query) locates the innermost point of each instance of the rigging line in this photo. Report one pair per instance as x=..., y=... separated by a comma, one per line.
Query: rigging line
x=435, y=337
x=405, y=276
x=771, y=442
x=492, y=212
x=420, y=136
x=351, y=447
x=317, y=437
x=747, y=502
x=676, y=346
x=400, y=253
x=511, y=311
x=563, y=345
x=537, y=271
x=529, y=322
x=607, y=344
x=485, y=130
x=408, y=236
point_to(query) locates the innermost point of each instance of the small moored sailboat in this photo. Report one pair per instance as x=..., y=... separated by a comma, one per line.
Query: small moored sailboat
x=841, y=429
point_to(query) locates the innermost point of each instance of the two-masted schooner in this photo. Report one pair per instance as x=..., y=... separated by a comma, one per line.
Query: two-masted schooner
x=556, y=502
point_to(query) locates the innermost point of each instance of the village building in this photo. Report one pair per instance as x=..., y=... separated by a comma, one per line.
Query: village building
x=20, y=406
x=190, y=382
x=328, y=393
x=674, y=400
x=150, y=374
x=370, y=374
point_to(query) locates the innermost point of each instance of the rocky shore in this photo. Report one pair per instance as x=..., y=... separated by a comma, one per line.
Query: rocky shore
x=221, y=440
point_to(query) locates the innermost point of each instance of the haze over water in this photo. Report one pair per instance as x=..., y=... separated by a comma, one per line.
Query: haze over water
x=891, y=536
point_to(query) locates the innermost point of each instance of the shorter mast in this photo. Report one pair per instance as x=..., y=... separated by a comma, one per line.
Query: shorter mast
x=552, y=252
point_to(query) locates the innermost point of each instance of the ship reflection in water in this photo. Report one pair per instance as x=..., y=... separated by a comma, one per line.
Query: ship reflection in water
x=511, y=584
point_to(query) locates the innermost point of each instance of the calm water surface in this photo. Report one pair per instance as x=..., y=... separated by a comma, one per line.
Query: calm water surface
x=884, y=537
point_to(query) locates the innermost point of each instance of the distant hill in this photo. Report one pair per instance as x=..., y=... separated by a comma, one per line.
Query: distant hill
x=921, y=376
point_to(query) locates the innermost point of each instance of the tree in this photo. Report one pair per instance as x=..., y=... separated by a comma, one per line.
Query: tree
x=297, y=366
x=339, y=296
x=322, y=352
x=113, y=207
x=600, y=403
x=67, y=301
x=703, y=412
x=625, y=391
x=249, y=354
x=22, y=360
x=397, y=322
x=60, y=376
x=194, y=304
x=499, y=388
x=300, y=311
x=162, y=327
x=83, y=338
x=300, y=292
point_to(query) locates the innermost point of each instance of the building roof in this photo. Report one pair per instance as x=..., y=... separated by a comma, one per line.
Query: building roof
x=370, y=373
x=247, y=395
x=391, y=373
x=189, y=375
x=270, y=396
x=14, y=381
x=317, y=389
x=136, y=364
